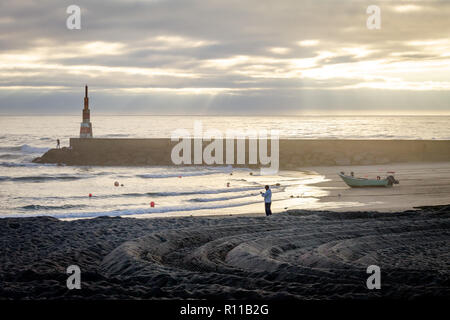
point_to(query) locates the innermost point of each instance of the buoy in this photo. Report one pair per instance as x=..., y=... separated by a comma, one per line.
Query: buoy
x=152, y=204
x=116, y=183
x=121, y=185
x=90, y=195
x=179, y=177
x=228, y=184
x=251, y=173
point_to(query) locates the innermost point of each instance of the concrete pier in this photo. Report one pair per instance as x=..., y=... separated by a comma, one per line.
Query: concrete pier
x=293, y=153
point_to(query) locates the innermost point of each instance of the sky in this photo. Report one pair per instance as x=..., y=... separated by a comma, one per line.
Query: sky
x=231, y=57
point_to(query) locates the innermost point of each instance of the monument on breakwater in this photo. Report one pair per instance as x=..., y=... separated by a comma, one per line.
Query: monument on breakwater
x=293, y=153
x=86, y=125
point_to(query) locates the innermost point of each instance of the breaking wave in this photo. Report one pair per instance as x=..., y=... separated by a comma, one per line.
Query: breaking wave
x=181, y=174
x=40, y=207
x=42, y=178
x=24, y=149
x=131, y=212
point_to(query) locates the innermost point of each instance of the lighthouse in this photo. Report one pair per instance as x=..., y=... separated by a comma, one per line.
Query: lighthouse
x=86, y=125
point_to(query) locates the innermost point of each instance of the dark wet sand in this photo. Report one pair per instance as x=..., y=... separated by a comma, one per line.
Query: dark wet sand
x=292, y=255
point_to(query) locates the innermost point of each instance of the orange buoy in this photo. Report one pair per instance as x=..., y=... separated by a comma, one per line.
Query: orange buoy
x=152, y=204
x=116, y=184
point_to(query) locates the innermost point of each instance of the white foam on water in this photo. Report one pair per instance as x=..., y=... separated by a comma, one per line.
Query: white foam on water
x=131, y=212
x=30, y=149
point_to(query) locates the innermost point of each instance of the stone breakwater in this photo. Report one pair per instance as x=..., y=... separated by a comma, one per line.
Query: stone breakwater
x=293, y=153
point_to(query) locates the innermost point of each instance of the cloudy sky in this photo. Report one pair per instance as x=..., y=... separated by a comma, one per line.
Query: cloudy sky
x=225, y=57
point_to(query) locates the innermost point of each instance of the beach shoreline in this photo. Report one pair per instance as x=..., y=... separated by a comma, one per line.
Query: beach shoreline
x=231, y=192
x=421, y=184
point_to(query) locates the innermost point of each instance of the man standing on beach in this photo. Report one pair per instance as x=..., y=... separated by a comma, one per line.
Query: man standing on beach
x=267, y=200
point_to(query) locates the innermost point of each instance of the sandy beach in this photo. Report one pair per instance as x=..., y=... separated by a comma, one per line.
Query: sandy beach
x=292, y=255
x=421, y=184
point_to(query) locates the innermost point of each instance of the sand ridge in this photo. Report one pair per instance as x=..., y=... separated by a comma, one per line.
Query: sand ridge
x=294, y=255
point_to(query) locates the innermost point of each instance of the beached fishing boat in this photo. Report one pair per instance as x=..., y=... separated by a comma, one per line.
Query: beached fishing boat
x=355, y=182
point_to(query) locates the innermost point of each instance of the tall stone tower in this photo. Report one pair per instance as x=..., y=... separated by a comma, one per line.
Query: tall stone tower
x=86, y=125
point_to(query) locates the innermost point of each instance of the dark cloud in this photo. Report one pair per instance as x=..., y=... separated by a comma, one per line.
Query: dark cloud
x=226, y=46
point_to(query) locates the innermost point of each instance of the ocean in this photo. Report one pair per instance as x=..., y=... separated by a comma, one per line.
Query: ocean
x=28, y=189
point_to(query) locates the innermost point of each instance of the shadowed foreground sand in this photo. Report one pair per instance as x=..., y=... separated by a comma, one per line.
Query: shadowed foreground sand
x=293, y=255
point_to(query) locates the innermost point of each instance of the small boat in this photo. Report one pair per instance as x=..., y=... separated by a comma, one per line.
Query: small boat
x=354, y=182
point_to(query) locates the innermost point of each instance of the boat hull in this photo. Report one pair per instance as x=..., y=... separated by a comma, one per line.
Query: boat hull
x=364, y=183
